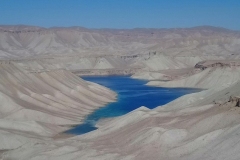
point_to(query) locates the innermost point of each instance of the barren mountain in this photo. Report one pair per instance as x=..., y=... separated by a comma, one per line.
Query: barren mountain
x=40, y=97
x=28, y=41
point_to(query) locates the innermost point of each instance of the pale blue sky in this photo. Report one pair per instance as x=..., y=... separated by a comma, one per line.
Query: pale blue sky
x=121, y=13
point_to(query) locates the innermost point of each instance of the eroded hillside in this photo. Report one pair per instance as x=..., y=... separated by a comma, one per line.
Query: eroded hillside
x=40, y=97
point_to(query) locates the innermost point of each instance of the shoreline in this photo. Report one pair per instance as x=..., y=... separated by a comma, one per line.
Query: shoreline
x=63, y=135
x=140, y=84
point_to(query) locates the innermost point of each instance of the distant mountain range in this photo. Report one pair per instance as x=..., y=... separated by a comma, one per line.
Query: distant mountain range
x=22, y=41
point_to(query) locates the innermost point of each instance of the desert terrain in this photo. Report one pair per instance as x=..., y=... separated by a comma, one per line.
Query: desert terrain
x=42, y=95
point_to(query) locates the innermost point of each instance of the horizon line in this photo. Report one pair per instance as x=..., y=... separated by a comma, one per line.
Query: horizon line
x=28, y=25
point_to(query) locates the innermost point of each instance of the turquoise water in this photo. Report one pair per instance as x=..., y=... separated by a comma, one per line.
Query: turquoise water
x=132, y=93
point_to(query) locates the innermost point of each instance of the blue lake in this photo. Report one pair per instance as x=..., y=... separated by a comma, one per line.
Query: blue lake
x=132, y=93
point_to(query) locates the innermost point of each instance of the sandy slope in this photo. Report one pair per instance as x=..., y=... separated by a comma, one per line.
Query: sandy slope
x=40, y=105
x=211, y=77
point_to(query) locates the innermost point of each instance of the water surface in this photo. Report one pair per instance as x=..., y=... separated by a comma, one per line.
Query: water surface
x=132, y=93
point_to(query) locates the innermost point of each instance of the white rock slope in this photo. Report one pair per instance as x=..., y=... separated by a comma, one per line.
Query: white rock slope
x=38, y=106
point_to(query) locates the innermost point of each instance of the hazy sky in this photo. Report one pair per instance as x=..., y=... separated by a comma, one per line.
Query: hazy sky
x=122, y=13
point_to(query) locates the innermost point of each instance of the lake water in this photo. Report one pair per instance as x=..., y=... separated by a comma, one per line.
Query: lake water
x=132, y=93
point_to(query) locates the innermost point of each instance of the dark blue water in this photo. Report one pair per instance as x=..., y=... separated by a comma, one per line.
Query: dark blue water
x=132, y=93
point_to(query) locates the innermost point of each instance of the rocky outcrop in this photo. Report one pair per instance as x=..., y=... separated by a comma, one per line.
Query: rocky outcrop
x=217, y=63
x=235, y=100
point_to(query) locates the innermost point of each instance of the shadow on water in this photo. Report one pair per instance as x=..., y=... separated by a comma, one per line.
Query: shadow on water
x=132, y=94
